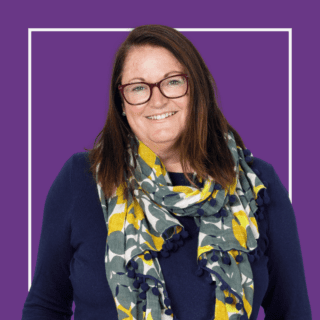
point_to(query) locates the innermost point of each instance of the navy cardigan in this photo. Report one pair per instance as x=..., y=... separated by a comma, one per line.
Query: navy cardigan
x=70, y=264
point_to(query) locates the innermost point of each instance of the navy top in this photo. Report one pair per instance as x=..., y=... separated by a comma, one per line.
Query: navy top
x=70, y=264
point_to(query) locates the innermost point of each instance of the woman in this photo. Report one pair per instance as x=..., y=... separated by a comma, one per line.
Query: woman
x=169, y=216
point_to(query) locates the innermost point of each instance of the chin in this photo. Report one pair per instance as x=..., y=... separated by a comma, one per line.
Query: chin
x=163, y=138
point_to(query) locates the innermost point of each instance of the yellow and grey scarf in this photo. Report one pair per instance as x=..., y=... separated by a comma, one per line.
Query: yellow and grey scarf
x=145, y=226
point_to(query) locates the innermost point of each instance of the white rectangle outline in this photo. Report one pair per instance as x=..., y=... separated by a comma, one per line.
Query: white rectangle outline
x=30, y=30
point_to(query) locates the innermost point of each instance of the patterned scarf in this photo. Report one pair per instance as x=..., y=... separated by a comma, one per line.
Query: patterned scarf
x=145, y=226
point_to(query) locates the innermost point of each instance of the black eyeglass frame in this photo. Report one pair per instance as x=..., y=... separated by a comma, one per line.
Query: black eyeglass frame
x=151, y=86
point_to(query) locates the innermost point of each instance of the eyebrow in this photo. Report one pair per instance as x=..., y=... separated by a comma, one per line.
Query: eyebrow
x=166, y=75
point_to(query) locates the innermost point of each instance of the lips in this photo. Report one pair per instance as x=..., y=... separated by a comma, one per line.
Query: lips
x=175, y=112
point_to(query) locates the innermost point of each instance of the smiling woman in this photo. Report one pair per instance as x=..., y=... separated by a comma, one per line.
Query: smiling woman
x=191, y=140
x=169, y=216
x=155, y=64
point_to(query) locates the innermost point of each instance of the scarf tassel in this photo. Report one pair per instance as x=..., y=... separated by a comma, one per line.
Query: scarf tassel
x=173, y=243
x=239, y=257
x=221, y=213
x=226, y=259
x=248, y=157
x=213, y=201
x=214, y=258
x=140, y=282
x=224, y=286
x=232, y=198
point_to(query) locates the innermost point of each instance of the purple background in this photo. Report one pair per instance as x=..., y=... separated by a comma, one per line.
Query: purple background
x=70, y=82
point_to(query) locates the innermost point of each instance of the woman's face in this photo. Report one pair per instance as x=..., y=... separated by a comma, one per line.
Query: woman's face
x=152, y=64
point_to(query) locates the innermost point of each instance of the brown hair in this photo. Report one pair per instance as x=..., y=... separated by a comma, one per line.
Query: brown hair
x=202, y=144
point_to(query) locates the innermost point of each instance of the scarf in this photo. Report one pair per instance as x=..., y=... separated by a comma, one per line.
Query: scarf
x=145, y=226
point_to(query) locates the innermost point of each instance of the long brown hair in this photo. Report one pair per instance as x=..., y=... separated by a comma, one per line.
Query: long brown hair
x=202, y=144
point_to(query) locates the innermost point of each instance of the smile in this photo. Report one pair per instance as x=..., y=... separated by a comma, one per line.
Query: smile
x=162, y=116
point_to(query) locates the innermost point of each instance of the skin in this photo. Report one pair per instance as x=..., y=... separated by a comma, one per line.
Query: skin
x=150, y=64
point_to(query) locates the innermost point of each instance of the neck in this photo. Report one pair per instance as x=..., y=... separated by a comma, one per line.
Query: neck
x=170, y=158
x=173, y=167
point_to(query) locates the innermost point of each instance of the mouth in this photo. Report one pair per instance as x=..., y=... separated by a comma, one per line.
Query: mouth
x=170, y=115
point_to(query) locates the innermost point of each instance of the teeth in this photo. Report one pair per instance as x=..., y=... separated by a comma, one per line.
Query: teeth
x=165, y=115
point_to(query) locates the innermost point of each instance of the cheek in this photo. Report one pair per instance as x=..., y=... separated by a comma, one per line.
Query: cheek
x=184, y=105
x=134, y=111
x=135, y=117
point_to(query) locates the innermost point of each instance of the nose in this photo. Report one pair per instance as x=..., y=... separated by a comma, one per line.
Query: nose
x=157, y=98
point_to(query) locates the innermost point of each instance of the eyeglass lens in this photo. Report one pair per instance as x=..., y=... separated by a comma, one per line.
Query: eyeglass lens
x=172, y=87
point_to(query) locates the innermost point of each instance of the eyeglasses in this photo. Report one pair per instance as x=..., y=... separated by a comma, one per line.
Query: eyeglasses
x=172, y=87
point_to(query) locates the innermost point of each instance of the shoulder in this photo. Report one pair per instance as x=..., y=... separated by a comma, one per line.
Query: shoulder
x=280, y=203
x=66, y=187
x=263, y=167
x=279, y=209
x=268, y=175
x=76, y=170
x=78, y=162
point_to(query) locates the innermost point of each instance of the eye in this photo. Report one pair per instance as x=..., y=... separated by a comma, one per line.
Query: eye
x=174, y=82
x=138, y=88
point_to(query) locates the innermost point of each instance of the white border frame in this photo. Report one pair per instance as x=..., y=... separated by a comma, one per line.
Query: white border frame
x=30, y=30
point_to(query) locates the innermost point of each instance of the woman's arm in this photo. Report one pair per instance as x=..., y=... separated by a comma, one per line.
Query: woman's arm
x=286, y=297
x=51, y=294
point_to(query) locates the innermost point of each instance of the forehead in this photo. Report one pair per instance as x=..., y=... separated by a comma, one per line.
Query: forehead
x=150, y=63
